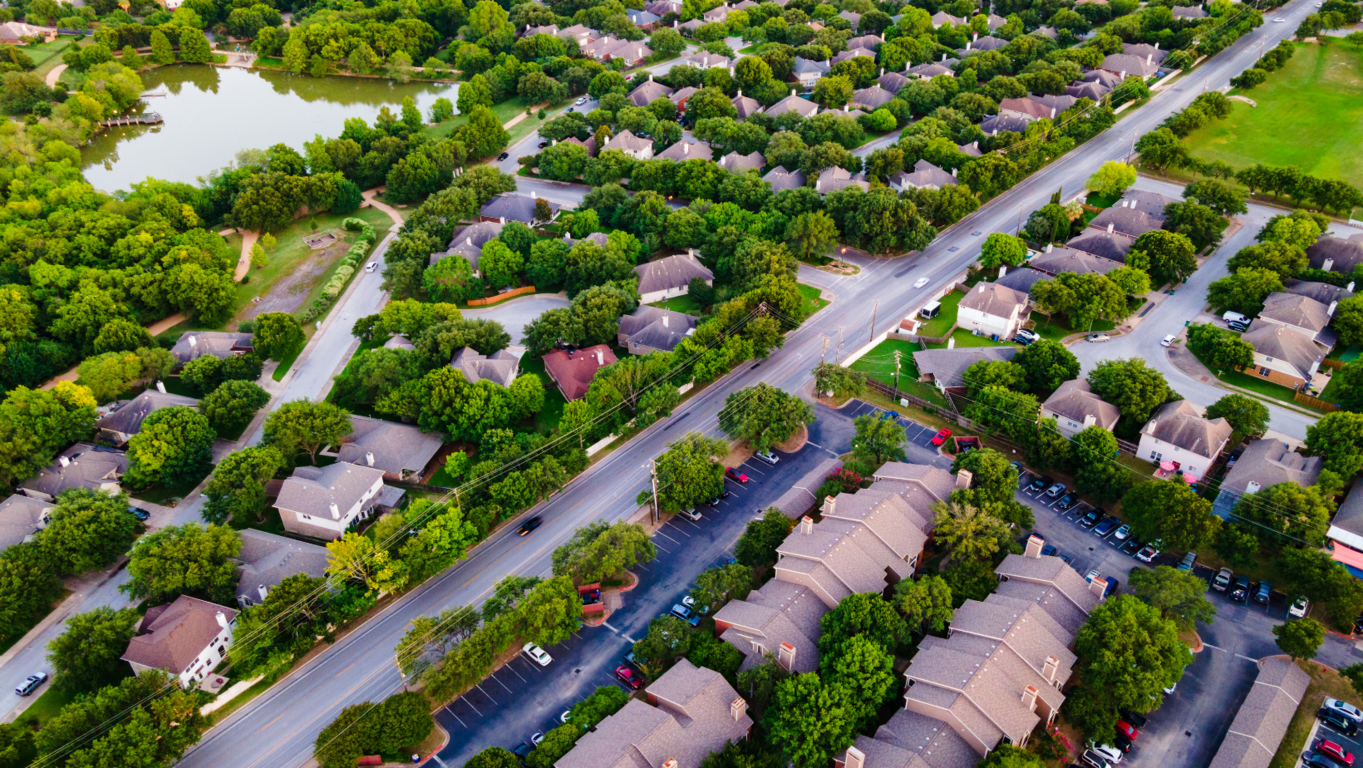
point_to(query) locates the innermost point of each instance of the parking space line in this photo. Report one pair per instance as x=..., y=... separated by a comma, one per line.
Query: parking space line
x=665, y=549
x=514, y=672
x=676, y=529
x=640, y=567
x=485, y=693
x=665, y=536
x=690, y=523
x=745, y=464
x=456, y=717
x=466, y=701
x=499, y=682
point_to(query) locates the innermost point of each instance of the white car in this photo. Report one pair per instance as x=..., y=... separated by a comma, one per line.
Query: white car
x=373, y=265
x=1108, y=752
x=581, y=101
x=536, y=739
x=1122, y=533
x=1348, y=710
x=1299, y=608
x=690, y=514
x=1279, y=20
x=537, y=654
x=690, y=602
x=1099, y=337
x=920, y=282
x=1167, y=341
x=768, y=456
x=563, y=718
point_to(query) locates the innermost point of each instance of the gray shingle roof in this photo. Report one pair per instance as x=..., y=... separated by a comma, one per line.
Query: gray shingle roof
x=835, y=178
x=736, y=163
x=1003, y=123
x=1263, y=718
x=793, y=103
x=1064, y=592
x=266, y=559
x=312, y=490
x=1178, y=423
x=648, y=91
x=933, y=69
x=469, y=241
x=1022, y=279
x=499, y=368
x=1143, y=50
x=1296, y=310
x=1099, y=242
x=1322, y=292
x=941, y=17
x=128, y=418
x=1281, y=343
x=670, y=273
x=1150, y=203
x=515, y=208
x=924, y=175
x=1076, y=401
x=1030, y=109
x=913, y=740
x=1060, y=260
x=872, y=98
x=1126, y=221
x=88, y=466
x=220, y=344
x=746, y=106
x=1269, y=462
x=800, y=498
x=686, y=149
x=937, y=482
x=626, y=141
x=396, y=448
x=804, y=66
x=780, y=179
x=1109, y=79
x=21, y=517
x=1130, y=65
x=1059, y=103
x=1085, y=90
x=986, y=43
x=948, y=366
x=1342, y=254
x=994, y=299
x=779, y=612
x=892, y=81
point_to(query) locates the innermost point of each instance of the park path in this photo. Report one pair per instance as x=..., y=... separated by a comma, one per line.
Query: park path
x=371, y=197
x=55, y=75
x=156, y=328
x=248, y=239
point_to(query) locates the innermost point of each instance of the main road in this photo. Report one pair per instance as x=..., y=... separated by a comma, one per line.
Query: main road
x=278, y=728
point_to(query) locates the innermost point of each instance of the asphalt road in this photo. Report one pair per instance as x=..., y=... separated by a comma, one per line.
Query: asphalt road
x=277, y=729
x=515, y=314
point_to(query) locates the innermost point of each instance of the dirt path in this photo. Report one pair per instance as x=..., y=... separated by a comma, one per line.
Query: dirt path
x=156, y=328
x=248, y=239
x=371, y=197
x=55, y=74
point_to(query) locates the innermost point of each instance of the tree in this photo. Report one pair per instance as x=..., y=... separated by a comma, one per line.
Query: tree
x=557, y=743
x=602, y=703
x=88, y=530
x=493, y=757
x=757, y=546
x=161, y=51
x=1128, y=655
x=277, y=336
x=174, y=447
x=865, y=669
x=184, y=560
x=1217, y=195
x=1244, y=291
x=1093, y=454
x=402, y=720
x=812, y=235
x=194, y=47
x=1220, y=350
x=1170, y=511
x=666, y=40
x=970, y=533
x=763, y=416
x=598, y=550
x=1338, y=438
x=861, y=615
x=1297, y=513
x=1136, y=389
x=878, y=440
x=302, y=426
x=109, y=374
x=688, y=473
x=837, y=381
x=360, y=560
x=811, y=720
x=1000, y=249
x=926, y=603
x=121, y=335
x=1112, y=179
x=236, y=491
x=1246, y=415
x=1300, y=639
x=1169, y=257
x=1313, y=574
x=718, y=585
x=1348, y=320
x=500, y=265
x=1047, y=364
x=231, y=406
x=1176, y=594
x=1009, y=756
x=1198, y=222
x=88, y=655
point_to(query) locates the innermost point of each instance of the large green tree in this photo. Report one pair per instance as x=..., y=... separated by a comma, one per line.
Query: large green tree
x=599, y=549
x=1170, y=511
x=926, y=603
x=277, y=335
x=231, y=406
x=757, y=546
x=763, y=415
x=1246, y=415
x=1177, y=595
x=1048, y=364
x=185, y=560
x=1338, y=438
x=1097, y=474
x=877, y=440
x=811, y=720
x=174, y=447
x=88, y=655
x=1299, y=639
x=88, y=530
x=303, y=426
x=688, y=473
x=236, y=490
x=1135, y=388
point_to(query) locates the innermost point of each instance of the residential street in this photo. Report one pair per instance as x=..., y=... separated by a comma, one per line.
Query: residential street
x=278, y=728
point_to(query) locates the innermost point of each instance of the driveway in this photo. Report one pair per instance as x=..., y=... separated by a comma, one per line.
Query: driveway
x=516, y=313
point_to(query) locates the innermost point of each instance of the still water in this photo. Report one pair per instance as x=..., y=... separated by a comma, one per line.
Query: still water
x=212, y=113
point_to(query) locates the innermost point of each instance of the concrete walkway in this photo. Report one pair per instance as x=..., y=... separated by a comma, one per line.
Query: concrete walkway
x=248, y=239
x=371, y=197
x=55, y=75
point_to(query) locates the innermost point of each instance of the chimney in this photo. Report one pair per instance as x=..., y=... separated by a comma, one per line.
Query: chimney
x=600, y=357
x=670, y=762
x=944, y=58
x=855, y=758
x=1149, y=57
x=731, y=71
x=1051, y=669
x=846, y=107
x=951, y=343
x=369, y=458
x=686, y=148
x=1052, y=113
x=1034, y=545
x=1326, y=266
x=963, y=478
x=553, y=142
x=806, y=525
x=1252, y=487
x=1331, y=310
x=1003, y=271
x=1098, y=586
x=674, y=23
x=953, y=173
x=64, y=461
x=194, y=340
x=335, y=511
x=981, y=287
x=794, y=92
x=975, y=36
x=222, y=619
x=967, y=47
x=650, y=77
x=1111, y=226
x=786, y=654
x=160, y=386
x=738, y=708
x=665, y=321
x=1089, y=420
x=1157, y=46
x=262, y=591
x=1350, y=287
x=740, y=93
x=882, y=71
x=1029, y=698
x=818, y=184
x=567, y=236
x=1049, y=246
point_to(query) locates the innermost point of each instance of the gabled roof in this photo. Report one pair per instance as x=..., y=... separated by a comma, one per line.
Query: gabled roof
x=793, y=103
x=128, y=418
x=994, y=299
x=948, y=366
x=1060, y=260
x=678, y=97
x=548, y=29
x=736, y=163
x=87, y=466
x=1296, y=310
x=866, y=41
x=996, y=124
x=803, y=66
x=986, y=43
x=1032, y=110
x=1268, y=462
x=835, y=178
x=941, y=17
x=746, y=106
x=872, y=98
x=1051, y=101
x=1143, y=50
x=913, y=740
x=780, y=179
x=935, y=481
x=629, y=50
x=707, y=60
x=516, y=208
x=779, y=612
x=1280, y=343
x=1262, y=721
x=574, y=374
x=656, y=328
x=1076, y=401
x=1130, y=65
x=1064, y=592
x=1342, y=254
x=220, y=344
x=394, y=447
x=171, y=637
x=626, y=141
x=1188, y=12
x=266, y=559
x=933, y=69
x=924, y=174
x=1103, y=244
x=20, y=517
x=1322, y=292
x=1126, y=221
x=1022, y=279
x=892, y=81
x=686, y=149
x=313, y=490
x=853, y=53
x=1178, y=423
x=648, y=91
x=577, y=30
x=853, y=18
x=670, y=273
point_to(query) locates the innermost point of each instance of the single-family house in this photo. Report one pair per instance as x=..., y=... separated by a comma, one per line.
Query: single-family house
x=118, y=426
x=266, y=559
x=1086, y=90
x=934, y=68
x=1192, y=12
x=648, y=91
x=835, y=178
x=1124, y=64
x=717, y=14
x=18, y=33
x=219, y=344
x=946, y=367
x=686, y=149
x=942, y=17
x=469, y=241
x=707, y=60
x=993, y=309
x=654, y=329
x=1262, y=720
x=994, y=21
x=1299, y=313
x=852, y=18
x=664, y=7
x=1103, y=243
x=808, y=71
x=500, y=367
x=986, y=43
x=1056, y=103
x=1131, y=222
x=634, y=146
x=1107, y=79
x=583, y=35
x=1178, y=434
x=1283, y=355
x=853, y=53
x=21, y=517
x=399, y=342
x=1055, y=261
x=679, y=97
x=872, y=98
x=869, y=42
x=401, y=451
x=1336, y=254
x=643, y=19
x=1323, y=292
x=670, y=277
x=186, y=639
x=633, y=53
x=323, y=502
x=1264, y=463
x=736, y=163
x=572, y=371
x=1075, y=407
x=970, y=150
x=893, y=82
x=746, y=106
x=1026, y=109
x=779, y=179
x=924, y=175
x=506, y=208
x=547, y=29
x=996, y=124
x=1346, y=532
x=793, y=103
x=1150, y=203
x=1145, y=50
x=1048, y=32
x=83, y=465
x=1021, y=279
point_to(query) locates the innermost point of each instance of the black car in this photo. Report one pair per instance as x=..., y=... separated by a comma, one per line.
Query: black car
x=1134, y=718
x=1091, y=519
x=529, y=525
x=1262, y=592
x=504, y=156
x=1318, y=760
x=1122, y=741
x=1106, y=527
x=1338, y=721
x=1039, y=484
x=1239, y=589
x=544, y=144
x=1067, y=501
x=139, y=513
x=1068, y=560
x=1131, y=547
x=1048, y=550
x=523, y=751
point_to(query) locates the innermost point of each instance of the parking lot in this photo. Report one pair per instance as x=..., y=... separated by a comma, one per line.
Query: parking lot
x=918, y=448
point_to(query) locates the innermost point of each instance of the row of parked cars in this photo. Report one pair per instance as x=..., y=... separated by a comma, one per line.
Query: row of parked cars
x=1101, y=524
x=1344, y=718
x=1239, y=589
x=1123, y=739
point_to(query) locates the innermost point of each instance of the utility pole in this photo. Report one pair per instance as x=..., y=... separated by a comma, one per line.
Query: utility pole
x=653, y=473
x=823, y=354
x=875, y=308
x=896, y=370
x=837, y=356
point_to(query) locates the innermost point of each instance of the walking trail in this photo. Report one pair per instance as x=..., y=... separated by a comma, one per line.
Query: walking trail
x=55, y=75
x=371, y=197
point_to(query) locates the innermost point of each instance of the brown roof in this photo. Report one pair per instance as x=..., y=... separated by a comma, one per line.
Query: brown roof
x=1262, y=720
x=1342, y=254
x=1269, y=462
x=1032, y=109
x=1296, y=310
x=913, y=740
x=1322, y=292
x=1282, y=343
x=128, y=418
x=87, y=466
x=670, y=273
x=574, y=374
x=1075, y=401
x=994, y=299
x=1053, y=573
x=800, y=498
x=1179, y=424
x=20, y=517
x=219, y=344
x=779, y=612
x=389, y=446
x=1060, y=260
x=171, y=637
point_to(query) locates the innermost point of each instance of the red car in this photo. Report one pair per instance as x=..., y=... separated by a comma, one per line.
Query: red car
x=735, y=475
x=941, y=437
x=1335, y=751
x=1127, y=730
x=629, y=677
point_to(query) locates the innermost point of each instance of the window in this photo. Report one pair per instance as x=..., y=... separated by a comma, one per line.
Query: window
x=1265, y=371
x=1156, y=456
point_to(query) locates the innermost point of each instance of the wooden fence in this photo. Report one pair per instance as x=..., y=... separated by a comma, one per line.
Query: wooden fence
x=1315, y=402
x=1328, y=362
x=501, y=296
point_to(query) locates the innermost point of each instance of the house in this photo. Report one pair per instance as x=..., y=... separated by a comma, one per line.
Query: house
x=717, y=14
x=1262, y=720
x=1188, y=12
x=1144, y=50
x=691, y=712
x=581, y=34
x=548, y=29
x=21, y=517
x=399, y=342
x=186, y=639
x=654, y=329
x=1075, y=408
x=940, y=18
x=83, y=465
x=322, y=502
x=686, y=149
x=504, y=208
x=799, y=500
x=401, y=451
x=634, y=146
x=1123, y=64
x=266, y=559
x=872, y=98
x=986, y=43
x=1323, y=292
x=1336, y=254
x=1050, y=583
x=924, y=175
x=781, y=179
x=219, y=344
x=793, y=103
x=1051, y=33
x=679, y=97
x=1103, y=243
x=853, y=53
x=500, y=367
x=1263, y=464
x=643, y=19
x=669, y=277
x=808, y=71
x=469, y=241
x=1299, y=313
x=631, y=52
x=1025, y=109
x=892, y=81
x=995, y=124
x=664, y=7
x=1150, y=203
x=1108, y=80
x=707, y=60
x=1177, y=433
x=1057, y=104
x=934, y=68
x=17, y=32
x=778, y=618
x=835, y=178
x=869, y=42
x=1283, y=355
x=993, y=309
x=121, y=424
x=910, y=740
x=736, y=163
x=648, y=91
x=746, y=106
x=1092, y=91
x=573, y=370
x=1055, y=261
x=994, y=21
x=852, y=18
x=1020, y=280
x=1131, y=222
x=946, y=367
x=1346, y=532
x=834, y=560
x=688, y=27
x=970, y=150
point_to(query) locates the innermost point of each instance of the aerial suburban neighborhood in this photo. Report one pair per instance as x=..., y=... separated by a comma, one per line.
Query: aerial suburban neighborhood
x=681, y=384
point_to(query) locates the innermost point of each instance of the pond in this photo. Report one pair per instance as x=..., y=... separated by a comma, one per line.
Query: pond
x=213, y=113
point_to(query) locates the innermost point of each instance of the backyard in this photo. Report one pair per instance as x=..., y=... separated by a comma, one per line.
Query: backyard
x=879, y=364
x=946, y=318
x=507, y=111
x=1309, y=115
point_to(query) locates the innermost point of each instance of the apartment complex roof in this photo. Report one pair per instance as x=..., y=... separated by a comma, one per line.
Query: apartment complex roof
x=1261, y=722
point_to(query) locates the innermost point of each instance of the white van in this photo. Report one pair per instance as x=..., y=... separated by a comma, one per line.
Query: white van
x=1235, y=317
x=930, y=311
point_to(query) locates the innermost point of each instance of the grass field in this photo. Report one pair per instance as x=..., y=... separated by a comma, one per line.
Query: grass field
x=813, y=300
x=879, y=364
x=683, y=304
x=946, y=318
x=965, y=338
x=505, y=112
x=1309, y=115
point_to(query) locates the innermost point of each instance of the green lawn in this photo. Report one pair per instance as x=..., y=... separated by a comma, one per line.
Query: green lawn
x=812, y=300
x=946, y=318
x=879, y=364
x=965, y=338
x=47, y=705
x=505, y=112
x=1331, y=391
x=1254, y=384
x=1102, y=201
x=1309, y=115
x=546, y=420
x=684, y=304
x=1059, y=327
